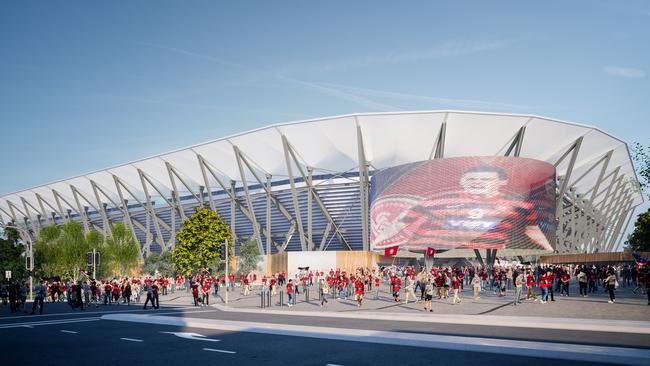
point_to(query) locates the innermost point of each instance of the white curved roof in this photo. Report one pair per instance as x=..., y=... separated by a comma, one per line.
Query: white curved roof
x=330, y=145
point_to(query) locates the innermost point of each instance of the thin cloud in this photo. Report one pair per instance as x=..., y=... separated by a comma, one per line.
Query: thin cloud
x=445, y=50
x=334, y=92
x=438, y=101
x=626, y=72
x=344, y=95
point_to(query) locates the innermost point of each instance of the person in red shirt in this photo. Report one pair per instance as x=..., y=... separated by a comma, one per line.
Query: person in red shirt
x=358, y=291
x=544, y=283
x=273, y=283
x=455, y=285
x=530, y=283
x=565, y=278
x=206, y=293
x=108, y=290
x=195, y=292
x=165, y=284
x=290, y=292
x=396, y=285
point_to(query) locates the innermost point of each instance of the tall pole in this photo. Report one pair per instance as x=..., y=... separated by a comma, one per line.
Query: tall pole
x=227, y=265
x=31, y=270
x=94, y=264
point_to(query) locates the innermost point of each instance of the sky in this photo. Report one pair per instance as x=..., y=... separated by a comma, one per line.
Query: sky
x=89, y=84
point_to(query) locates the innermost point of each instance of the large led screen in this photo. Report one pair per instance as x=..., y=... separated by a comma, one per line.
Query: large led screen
x=495, y=202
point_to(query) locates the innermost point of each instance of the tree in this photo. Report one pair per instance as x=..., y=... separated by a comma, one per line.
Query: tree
x=641, y=157
x=249, y=256
x=199, y=240
x=122, y=250
x=12, y=254
x=161, y=263
x=639, y=240
x=62, y=250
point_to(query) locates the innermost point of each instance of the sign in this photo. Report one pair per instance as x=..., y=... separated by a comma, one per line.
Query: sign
x=7, y=274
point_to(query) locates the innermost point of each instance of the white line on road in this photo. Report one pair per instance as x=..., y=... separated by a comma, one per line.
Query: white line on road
x=333, y=364
x=68, y=331
x=546, y=350
x=193, y=336
x=48, y=322
x=218, y=350
x=132, y=339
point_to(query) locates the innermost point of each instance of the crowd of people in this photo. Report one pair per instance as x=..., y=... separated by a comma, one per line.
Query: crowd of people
x=403, y=283
x=531, y=283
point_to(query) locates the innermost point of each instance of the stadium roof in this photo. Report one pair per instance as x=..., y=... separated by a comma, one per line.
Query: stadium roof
x=332, y=145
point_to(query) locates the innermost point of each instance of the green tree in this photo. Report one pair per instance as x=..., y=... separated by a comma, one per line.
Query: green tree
x=199, y=240
x=61, y=250
x=161, y=263
x=249, y=256
x=639, y=240
x=12, y=254
x=122, y=249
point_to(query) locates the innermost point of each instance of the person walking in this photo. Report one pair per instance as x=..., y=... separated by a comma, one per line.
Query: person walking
x=410, y=283
x=455, y=284
x=428, y=295
x=39, y=295
x=148, y=290
x=290, y=291
x=582, y=282
x=519, y=282
x=530, y=284
x=476, y=285
x=610, y=283
x=324, y=291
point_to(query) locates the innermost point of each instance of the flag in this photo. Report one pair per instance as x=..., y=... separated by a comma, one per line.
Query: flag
x=391, y=251
x=639, y=259
x=431, y=251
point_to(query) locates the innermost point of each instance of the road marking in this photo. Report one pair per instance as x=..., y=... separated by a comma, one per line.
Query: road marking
x=333, y=364
x=132, y=339
x=546, y=350
x=218, y=350
x=193, y=336
x=136, y=309
x=68, y=331
x=48, y=322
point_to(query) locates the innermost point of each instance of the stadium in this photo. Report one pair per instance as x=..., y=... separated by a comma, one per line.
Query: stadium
x=310, y=186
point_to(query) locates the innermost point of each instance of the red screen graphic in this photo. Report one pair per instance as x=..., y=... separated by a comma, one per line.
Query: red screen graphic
x=465, y=203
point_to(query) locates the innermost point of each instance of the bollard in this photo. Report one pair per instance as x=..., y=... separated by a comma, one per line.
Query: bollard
x=268, y=298
x=307, y=295
x=262, y=302
x=281, y=297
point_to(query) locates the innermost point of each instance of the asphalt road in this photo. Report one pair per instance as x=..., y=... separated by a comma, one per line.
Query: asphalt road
x=62, y=337
x=116, y=343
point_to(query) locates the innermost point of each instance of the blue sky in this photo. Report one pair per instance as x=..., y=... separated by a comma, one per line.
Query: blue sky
x=89, y=84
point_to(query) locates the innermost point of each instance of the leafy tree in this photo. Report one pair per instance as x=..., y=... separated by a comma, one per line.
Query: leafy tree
x=641, y=157
x=199, y=240
x=161, y=263
x=61, y=250
x=639, y=240
x=122, y=249
x=12, y=254
x=249, y=256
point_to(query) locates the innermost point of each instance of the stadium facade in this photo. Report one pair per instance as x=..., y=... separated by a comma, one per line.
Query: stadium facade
x=305, y=186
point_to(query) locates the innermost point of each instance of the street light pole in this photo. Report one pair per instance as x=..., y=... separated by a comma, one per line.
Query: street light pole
x=227, y=265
